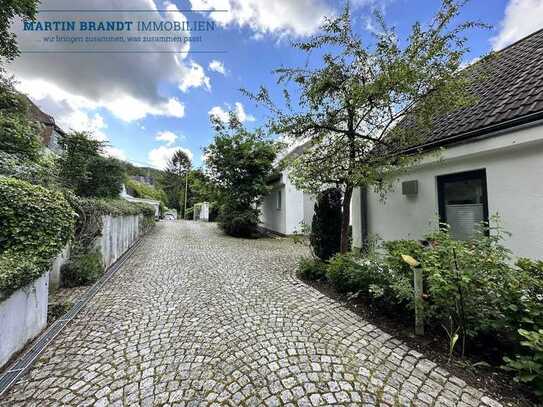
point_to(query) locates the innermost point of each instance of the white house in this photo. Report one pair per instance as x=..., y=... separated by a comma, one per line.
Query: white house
x=286, y=207
x=492, y=163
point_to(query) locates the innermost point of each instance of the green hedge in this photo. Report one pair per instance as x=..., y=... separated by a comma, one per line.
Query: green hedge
x=35, y=224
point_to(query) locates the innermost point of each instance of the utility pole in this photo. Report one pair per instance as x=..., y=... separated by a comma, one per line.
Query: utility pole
x=186, y=190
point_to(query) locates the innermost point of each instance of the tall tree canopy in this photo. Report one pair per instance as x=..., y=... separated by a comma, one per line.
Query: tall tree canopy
x=9, y=9
x=365, y=104
x=175, y=178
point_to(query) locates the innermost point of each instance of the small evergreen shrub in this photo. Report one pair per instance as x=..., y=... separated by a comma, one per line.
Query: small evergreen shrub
x=311, y=269
x=325, y=234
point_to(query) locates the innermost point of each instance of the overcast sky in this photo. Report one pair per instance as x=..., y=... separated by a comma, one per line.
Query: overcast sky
x=148, y=104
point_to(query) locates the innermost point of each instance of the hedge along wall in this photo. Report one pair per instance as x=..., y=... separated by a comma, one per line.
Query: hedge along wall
x=35, y=224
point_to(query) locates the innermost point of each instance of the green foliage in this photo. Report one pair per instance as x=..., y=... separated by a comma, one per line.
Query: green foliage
x=82, y=269
x=529, y=368
x=35, y=223
x=18, y=270
x=9, y=10
x=42, y=172
x=141, y=190
x=325, y=236
x=311, y=269
x=19, y=136
x=394, y=250
x=105, y=178
x=467, y=280
x=348, y=105
x=189, y=214
x=239, y=162
x=239, y=222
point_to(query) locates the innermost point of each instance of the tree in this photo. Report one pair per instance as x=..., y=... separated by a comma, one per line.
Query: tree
x=361, y=110
x=175, y=180
x=239, y=162
x=105, y=180
x=9, y=9
x=18, y=134
x=84, y=170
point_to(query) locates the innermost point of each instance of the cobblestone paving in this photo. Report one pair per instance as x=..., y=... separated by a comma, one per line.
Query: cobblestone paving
x=195, y=318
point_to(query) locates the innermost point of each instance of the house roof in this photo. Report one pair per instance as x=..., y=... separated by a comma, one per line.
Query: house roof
x=509, y=94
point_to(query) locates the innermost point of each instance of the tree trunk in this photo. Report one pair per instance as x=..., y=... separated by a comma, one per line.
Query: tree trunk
x=346, y=219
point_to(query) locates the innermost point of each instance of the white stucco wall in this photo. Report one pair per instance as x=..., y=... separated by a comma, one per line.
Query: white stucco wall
x=118, y=234
x=54, y=273
x=23, y=315
x=296, y=207
x=514, y=172
x=270, y=217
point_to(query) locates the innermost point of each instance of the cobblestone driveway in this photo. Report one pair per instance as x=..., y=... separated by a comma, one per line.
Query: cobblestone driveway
x=196, y=318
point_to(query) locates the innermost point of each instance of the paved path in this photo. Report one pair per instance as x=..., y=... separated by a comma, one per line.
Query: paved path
x=197, y=318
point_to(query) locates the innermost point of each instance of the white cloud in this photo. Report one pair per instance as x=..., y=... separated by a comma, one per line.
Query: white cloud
x=126, y=84
x=166, y=136
x=115, y=152
x=217, y=66
x=242, y=116
x=522, y=17
x=280, y=17
x=194, y=78
x=222, y=114
x=159, y=157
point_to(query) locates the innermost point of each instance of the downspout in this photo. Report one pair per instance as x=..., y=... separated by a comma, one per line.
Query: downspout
x=364, y=218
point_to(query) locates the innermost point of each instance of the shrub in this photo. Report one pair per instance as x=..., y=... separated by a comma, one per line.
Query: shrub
x=18, y=270
x=396, y=248
x=42, y=171
x=82, y=269
x=189, y=214
x=239, y=222
x=311, y=269
x=529, y=368
x=325, y=234
x=34, y=222
x=105, y=178
x=19, y=136
x=343, y=272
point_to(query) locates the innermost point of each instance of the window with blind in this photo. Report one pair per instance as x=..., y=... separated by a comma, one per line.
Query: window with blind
x=463, y=202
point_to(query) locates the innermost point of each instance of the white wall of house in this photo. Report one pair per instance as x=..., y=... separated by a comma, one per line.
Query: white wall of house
x=514, y=174
x=296, y=207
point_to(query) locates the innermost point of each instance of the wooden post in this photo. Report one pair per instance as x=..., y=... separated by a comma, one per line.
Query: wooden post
x=419, y=306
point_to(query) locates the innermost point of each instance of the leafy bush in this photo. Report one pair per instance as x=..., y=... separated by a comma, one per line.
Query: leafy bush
x=105, y=178
x=42, y=171
x=189, y=214
x=34, y=222
x=213, y=211
x=529, y=368
x=19, y=136
x=239, y=222
x=325, y=234
x=311, y=269
x=141, y=190
x=82, y=269
x=18, y=270
x=396, y=248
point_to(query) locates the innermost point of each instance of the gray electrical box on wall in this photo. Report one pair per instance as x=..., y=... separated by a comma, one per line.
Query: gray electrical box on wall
x=410, y=187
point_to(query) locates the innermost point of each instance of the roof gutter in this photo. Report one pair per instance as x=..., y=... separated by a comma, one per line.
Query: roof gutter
x=521, y=122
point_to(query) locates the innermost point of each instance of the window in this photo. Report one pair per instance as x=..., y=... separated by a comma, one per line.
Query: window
x=278, y=200
x=463, y=202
